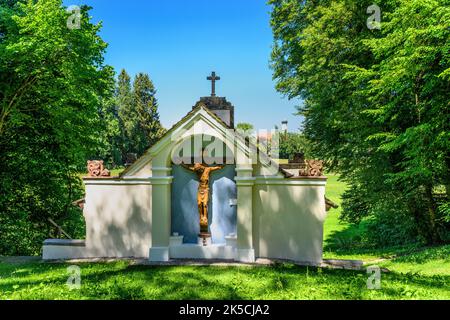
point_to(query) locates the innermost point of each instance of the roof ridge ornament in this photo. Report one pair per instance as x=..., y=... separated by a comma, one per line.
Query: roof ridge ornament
x=213, y=78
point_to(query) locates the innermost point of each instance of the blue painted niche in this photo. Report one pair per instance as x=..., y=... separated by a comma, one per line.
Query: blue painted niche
x=221, y=212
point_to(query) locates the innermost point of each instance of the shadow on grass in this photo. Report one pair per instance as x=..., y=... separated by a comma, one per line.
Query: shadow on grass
x=282, y=281
x=350, y=241
x=353, y=241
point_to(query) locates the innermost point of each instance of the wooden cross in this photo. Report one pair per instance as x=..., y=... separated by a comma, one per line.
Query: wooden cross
x=213, y=79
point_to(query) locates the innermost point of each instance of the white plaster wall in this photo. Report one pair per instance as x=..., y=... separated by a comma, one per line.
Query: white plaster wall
x=288, y=221
x=145, y=171
x=118, y=220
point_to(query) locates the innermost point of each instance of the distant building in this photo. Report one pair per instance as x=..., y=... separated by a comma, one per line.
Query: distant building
x=284, y=126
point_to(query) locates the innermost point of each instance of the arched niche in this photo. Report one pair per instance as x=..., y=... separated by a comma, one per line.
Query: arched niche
x=222, y=211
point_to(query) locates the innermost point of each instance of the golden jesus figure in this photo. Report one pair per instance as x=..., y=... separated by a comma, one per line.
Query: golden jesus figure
x=203, y=172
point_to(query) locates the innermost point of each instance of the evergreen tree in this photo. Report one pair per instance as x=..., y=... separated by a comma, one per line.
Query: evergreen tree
x=138, y=113
x=111, y=148
x=149, y=126
x=127, y=114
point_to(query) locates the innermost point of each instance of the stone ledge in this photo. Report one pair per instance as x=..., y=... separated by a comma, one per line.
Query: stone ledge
x=196, y=251
x=343, y=264
x=327, y=263
x=65, y=242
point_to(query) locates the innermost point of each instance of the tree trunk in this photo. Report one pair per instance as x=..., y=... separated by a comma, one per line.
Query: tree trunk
x=447, y=175
x=431, y=214
x=423, y=208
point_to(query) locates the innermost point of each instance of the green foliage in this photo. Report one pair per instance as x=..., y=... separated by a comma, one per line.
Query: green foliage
x=122, y=280
x=376, y=104
x=291, y=143
x=126, y=112
x=110, y=148
x=52, y=82
x=144, y=96
x=419, y=273
x=245, y=127
x=138, y=113
x=391, y=225
x=59, y=107
x=130, y=120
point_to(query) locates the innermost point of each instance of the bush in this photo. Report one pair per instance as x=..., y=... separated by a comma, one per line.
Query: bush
x=386, y=219
x=390, y=228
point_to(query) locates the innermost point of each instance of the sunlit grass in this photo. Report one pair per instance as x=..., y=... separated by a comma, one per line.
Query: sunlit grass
x=404, y=259
x=414, y=274
x=119, y=280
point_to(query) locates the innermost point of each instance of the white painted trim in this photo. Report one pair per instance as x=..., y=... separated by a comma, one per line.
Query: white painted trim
x=244, y=181
x=164, y=170
x=128, y=181
x=291, y=182
x=177, y=135
x=161, y=180
x=131, y=181
x=269, y=177
x=135, y=178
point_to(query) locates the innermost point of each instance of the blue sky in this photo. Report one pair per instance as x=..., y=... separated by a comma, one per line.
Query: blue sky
x=179, y=42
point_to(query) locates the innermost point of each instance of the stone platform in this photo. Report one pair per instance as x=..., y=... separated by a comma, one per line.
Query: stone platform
x=260, y=262
x=198, y=251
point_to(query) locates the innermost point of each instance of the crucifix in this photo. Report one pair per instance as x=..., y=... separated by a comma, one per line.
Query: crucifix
x=213, y=78
x=203, y=172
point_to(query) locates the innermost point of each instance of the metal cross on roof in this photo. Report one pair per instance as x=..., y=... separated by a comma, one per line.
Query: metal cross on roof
x=213, y=78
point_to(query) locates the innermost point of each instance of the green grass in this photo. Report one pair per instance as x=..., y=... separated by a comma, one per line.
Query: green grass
x=414, y=273
x=116, y=172
x=119, y=280
x=343, y=241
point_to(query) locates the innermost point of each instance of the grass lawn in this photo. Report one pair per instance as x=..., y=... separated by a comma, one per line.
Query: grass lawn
x=414, y=273
x=119, y=280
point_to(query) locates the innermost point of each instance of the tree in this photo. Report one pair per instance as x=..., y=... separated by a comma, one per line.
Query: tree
x=408, y=91
x=245, y=127
x=111, y=148
x=52, y=81
x=138, y=113
x=127, y=113
x=375, y=105
x=144, y=98
x=291, y=143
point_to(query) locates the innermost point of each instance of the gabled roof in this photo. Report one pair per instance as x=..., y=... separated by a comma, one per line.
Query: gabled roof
x=171, y=130
x=182, y=121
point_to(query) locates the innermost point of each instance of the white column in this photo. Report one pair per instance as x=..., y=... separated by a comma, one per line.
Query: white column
x=161, y=215
x=245, y=182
